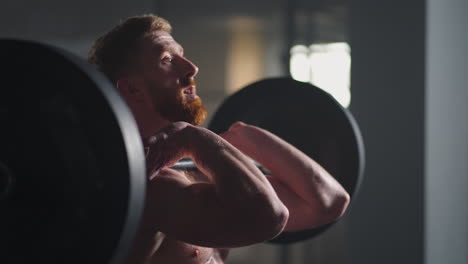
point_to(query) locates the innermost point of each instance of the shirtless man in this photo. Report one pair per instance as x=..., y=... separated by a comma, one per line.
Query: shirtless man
x=196, y=217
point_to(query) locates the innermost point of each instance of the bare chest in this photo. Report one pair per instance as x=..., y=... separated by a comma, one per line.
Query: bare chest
x=177, y=252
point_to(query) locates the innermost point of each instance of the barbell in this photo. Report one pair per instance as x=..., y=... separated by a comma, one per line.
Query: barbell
x=72, y=167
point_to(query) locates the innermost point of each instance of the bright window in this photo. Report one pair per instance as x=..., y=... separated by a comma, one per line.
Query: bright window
x=326, y=66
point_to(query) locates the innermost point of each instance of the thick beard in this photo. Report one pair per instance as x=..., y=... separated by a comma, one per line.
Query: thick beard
x=178, y=108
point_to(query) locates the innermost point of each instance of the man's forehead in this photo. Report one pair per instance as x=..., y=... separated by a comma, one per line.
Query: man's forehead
x=163, y=39
x=161, y=36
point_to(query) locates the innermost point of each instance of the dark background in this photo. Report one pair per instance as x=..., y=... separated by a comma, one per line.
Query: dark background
x=409, y=92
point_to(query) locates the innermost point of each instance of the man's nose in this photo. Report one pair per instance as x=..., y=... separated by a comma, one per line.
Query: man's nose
x=189, y=68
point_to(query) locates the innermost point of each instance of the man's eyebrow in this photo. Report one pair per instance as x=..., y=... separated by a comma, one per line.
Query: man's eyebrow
x=173, y=47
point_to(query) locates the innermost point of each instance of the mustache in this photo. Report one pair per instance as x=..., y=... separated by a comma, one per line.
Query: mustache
x=188, y=82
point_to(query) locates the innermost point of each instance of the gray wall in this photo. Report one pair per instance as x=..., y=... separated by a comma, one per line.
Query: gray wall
x=72, y=25
x=386, y=224
x=447, y=132
x=409, y=85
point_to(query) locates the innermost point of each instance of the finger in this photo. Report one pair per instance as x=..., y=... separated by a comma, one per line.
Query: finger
x=163, y=153
x=153, y=164
x=154, y=158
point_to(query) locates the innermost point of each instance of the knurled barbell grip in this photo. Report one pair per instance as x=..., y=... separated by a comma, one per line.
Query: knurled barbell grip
x=189, y=165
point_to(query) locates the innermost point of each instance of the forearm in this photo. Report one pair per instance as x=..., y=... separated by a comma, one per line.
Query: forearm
x=294, y=169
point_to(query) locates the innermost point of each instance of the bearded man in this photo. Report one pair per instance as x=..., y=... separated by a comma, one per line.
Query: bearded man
x=195, y=217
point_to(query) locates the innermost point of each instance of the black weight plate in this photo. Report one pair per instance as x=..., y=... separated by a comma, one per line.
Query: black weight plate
x=308, y=118
x=72, y=165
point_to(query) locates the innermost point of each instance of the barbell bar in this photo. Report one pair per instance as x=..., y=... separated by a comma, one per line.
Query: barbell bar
x=189, y=165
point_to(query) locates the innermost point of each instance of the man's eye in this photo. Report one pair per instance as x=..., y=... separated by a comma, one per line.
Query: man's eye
x=167, y=59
